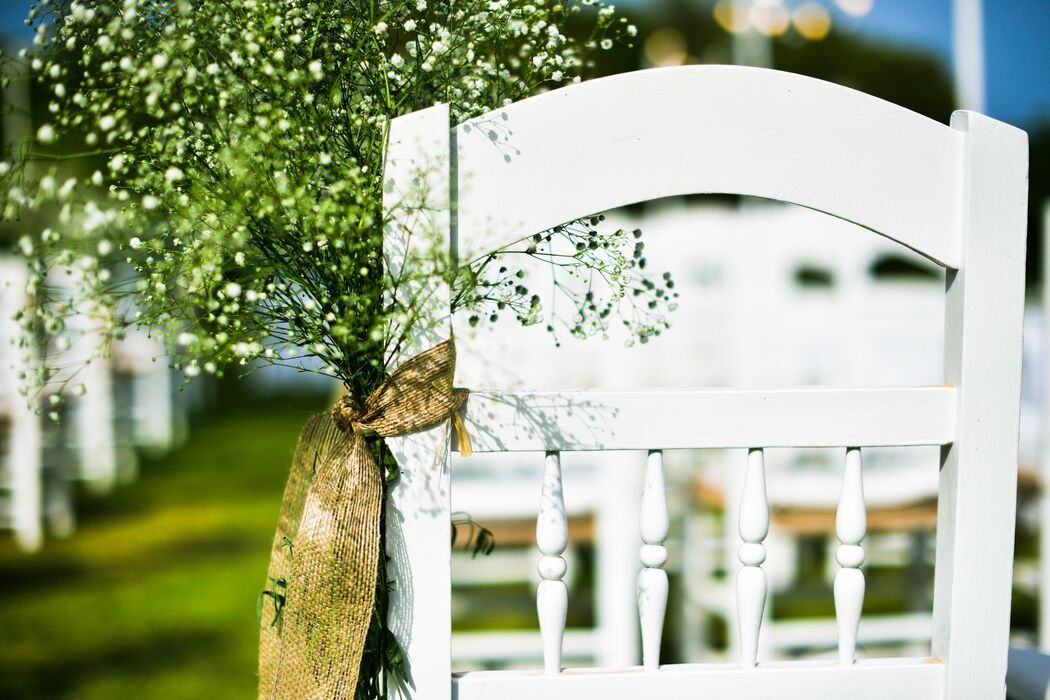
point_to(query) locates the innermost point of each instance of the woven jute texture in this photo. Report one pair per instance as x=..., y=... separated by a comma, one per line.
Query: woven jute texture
x=325, y=555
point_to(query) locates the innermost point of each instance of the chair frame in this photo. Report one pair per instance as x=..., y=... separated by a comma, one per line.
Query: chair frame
x=957, y=195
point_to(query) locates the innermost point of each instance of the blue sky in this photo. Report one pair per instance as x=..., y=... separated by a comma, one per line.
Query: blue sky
x=1017, y=47
x=1017, y=43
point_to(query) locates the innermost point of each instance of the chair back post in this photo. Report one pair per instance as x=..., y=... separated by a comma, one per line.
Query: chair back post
x=978, y=483
x=418, y=509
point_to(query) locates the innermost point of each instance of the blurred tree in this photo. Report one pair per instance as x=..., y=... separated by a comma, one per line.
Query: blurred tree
x=911, y=76
x=1038, y=195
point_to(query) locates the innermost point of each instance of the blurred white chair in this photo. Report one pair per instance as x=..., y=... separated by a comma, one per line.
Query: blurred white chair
x=22, y=463
x=141, y=358
x=500, y=494
x=86, y=382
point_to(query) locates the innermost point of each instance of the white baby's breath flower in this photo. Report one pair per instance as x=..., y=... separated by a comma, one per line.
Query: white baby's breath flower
x=46, y=134
x=135, y=243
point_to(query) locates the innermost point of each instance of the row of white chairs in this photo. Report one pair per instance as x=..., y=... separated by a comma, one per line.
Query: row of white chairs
x=111, y=406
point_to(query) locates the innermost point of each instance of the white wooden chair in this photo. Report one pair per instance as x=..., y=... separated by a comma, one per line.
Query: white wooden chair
x=140, y=357
x=90, y=414
x=22, y=463
x=955, y=194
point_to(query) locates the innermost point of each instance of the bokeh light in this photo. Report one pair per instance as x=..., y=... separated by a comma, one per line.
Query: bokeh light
x=856, y=8
x=812, y=21
x=770, y=17
x=666, y=47
x=732, y=17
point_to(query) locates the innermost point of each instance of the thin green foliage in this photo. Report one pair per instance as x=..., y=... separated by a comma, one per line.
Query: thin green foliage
x=278, y=591
x=212, y=171
x=479, y=540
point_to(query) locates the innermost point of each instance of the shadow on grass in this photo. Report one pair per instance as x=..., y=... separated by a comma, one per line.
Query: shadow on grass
x=63, y=677
x=42, y=574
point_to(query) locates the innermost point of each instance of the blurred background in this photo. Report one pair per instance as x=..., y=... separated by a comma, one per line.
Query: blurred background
x=137, y=533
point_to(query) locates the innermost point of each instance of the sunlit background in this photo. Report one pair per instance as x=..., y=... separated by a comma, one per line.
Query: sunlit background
x=159, y=504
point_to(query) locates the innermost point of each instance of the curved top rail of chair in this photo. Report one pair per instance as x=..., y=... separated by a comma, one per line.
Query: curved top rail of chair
x=709, y=129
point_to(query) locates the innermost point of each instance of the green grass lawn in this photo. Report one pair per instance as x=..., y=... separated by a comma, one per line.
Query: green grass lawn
x=154, y=595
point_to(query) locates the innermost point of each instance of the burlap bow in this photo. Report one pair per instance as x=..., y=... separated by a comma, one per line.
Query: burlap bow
x=323, y=565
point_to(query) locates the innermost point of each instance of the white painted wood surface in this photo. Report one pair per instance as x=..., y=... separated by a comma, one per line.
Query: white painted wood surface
x=956, y=195
x=977, y=501
x=851, y=523
x=552, y=537
x=903, y=679
x=666, y=419
x=751, y=584
x=418, y=513
x=691, y=129
x=654, y=524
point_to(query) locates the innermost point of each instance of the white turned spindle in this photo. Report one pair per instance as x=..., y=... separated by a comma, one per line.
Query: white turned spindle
x=851, y=523
x=751, y=579
x=653, y=525
x=552, y=537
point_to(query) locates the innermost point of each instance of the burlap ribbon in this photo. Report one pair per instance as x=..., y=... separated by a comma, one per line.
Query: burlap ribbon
x=322, y=579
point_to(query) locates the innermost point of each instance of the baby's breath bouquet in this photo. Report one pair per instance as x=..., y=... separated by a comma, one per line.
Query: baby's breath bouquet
x=212, y=171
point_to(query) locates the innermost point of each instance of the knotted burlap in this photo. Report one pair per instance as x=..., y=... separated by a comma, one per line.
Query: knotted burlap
x=325, y=557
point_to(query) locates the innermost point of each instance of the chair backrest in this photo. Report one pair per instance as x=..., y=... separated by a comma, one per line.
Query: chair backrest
x=956, y=195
